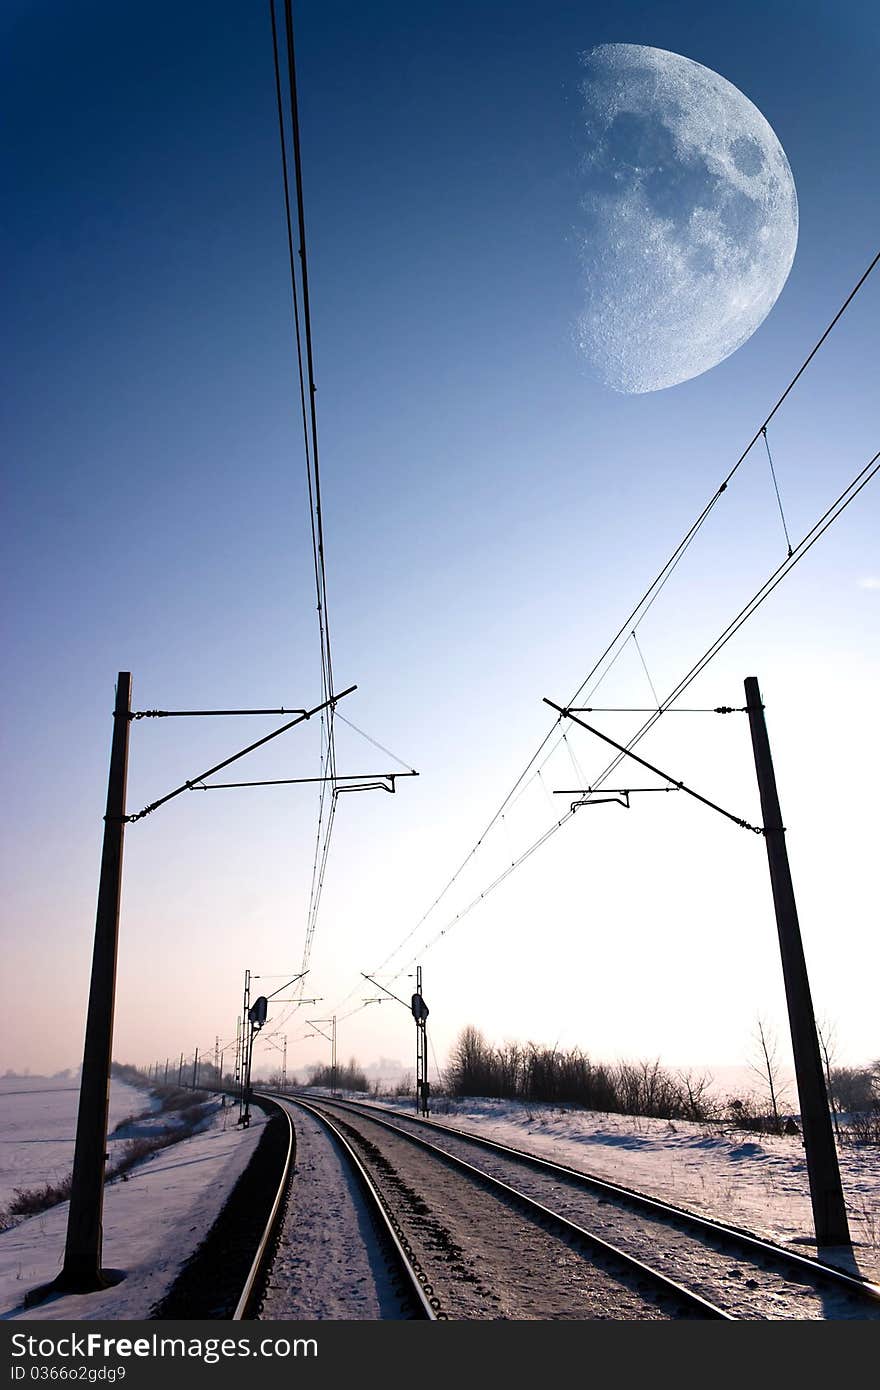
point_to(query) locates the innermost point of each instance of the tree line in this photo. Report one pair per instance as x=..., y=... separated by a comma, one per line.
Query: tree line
x=531, y=1072
x=534, y=1073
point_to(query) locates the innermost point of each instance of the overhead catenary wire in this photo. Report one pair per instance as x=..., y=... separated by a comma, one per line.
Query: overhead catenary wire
x=307, y=324
x=304, y=339
x=632, y=621
x=519, y=786
x=307, y=447
x=327, y=812
x=301, y=330
x=517, y=790
x=848, y=495
x=816, y=531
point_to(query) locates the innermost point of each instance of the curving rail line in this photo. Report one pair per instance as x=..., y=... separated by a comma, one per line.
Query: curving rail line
x=753, y=1246
x=416, y=1289
x=413, y=1279
x=692, y=1303
x=426, y=1305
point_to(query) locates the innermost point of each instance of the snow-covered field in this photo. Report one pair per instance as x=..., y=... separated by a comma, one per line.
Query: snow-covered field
x=757, y=1182
x=38, y=1126
x=154, y=1218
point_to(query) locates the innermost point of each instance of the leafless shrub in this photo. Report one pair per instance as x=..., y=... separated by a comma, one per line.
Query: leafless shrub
x=28, y=1201
x=179, y=1098
x=134, y=1150
x=861, y=1126
x=533, y=1073
x=701, y=1103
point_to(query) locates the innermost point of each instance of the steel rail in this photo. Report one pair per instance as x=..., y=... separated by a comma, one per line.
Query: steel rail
x=817, y=1268
x=546, y=1214
x=667, y=1210
x=767, y=1248
x=377, y=1206
x=260, y=1259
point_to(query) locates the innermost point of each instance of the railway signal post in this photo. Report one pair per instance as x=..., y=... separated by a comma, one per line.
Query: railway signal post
x=419, y=1010
x=420, y=1014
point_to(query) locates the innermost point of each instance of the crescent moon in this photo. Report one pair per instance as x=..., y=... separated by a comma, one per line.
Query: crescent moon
x=689, y=218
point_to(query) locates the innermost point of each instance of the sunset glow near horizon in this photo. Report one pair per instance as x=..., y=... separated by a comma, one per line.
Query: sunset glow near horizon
x=493, y=511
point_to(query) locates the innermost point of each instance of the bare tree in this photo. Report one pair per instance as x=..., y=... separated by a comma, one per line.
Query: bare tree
x=767, y=1067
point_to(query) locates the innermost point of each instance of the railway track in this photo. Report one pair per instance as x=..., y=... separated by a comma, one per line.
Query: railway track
x=467, y=1227
x=361, y=1273
x=726, y=1272
x=487, y=1250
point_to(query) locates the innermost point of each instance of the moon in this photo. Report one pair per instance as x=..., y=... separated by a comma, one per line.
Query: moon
x=689, y=218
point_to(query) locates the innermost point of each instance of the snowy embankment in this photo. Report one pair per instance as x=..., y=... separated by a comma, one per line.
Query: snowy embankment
x=757, y=1182
x=154, y=1217
x=38, y=1116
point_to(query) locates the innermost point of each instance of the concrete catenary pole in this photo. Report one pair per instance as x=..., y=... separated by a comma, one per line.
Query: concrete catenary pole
x=826, y=1193
x=82, y=1271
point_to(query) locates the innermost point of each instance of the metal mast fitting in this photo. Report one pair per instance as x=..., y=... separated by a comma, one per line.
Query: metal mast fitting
x=679, y=786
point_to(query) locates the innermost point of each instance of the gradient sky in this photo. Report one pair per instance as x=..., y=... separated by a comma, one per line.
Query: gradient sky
x=492, y=512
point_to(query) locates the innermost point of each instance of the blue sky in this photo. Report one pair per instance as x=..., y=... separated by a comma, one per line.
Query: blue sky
x=491, y=512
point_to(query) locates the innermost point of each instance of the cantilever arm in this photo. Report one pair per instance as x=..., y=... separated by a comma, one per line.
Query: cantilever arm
x=188, y=786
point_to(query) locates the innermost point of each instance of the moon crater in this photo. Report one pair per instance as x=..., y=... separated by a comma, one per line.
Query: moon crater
x=689, y=217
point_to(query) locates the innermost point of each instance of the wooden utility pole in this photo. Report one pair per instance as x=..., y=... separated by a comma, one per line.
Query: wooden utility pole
x=82, y=1272
x=826, y=1193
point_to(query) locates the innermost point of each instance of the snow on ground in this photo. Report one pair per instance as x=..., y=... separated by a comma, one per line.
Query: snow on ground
x=38, y=1127
x=757, y=1182
x=154, y=1219
x=157, y=1217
